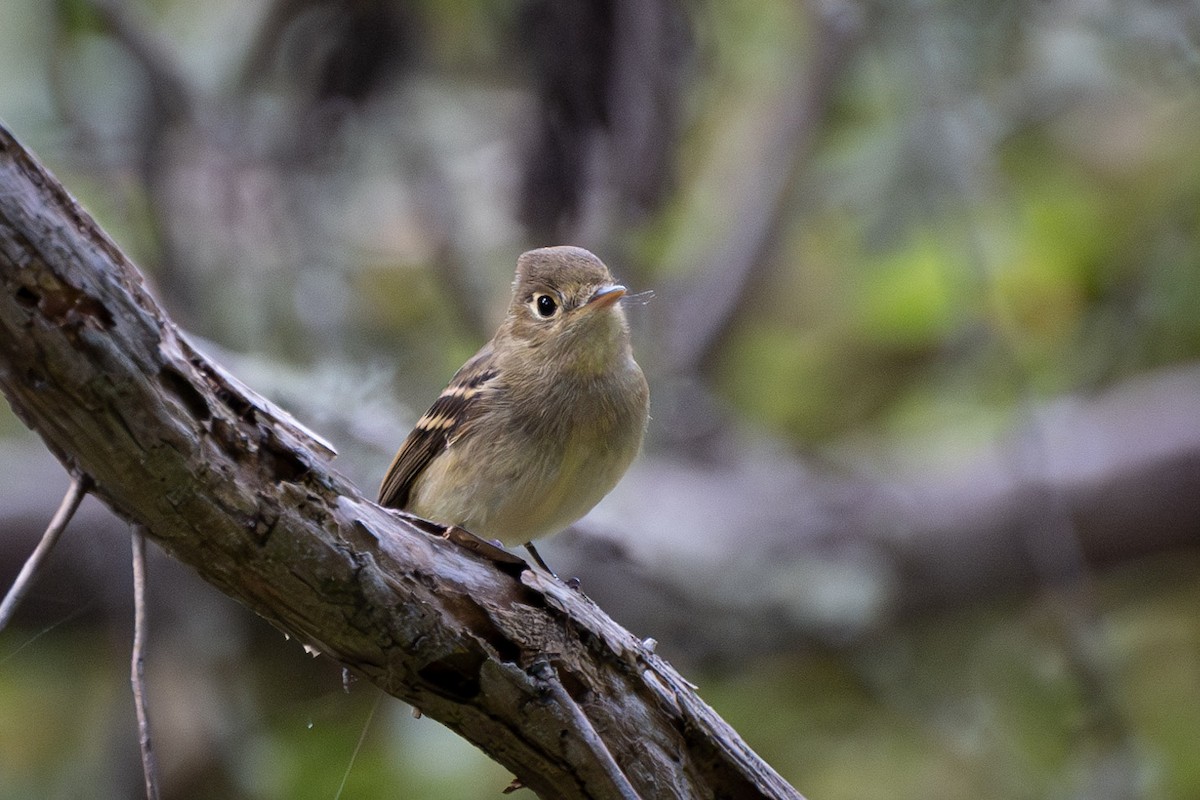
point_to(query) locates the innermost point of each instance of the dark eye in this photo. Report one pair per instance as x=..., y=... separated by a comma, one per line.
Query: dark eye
x=545, y=305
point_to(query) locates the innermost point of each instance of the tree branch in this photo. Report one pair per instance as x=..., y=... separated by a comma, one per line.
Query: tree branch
x=702, y=312
x=137, y=666
x=66, y=510
x=231, y=486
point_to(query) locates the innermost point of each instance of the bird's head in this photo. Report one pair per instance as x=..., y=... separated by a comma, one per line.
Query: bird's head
x=566, y=304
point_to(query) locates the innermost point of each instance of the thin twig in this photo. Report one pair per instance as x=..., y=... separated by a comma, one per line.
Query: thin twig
x=79, y=487
x=362, y=737
x=585, y=730
x=68, y=618
x=137, y=668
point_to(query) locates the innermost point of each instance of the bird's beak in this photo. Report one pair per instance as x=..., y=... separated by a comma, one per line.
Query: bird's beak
x=605, y=296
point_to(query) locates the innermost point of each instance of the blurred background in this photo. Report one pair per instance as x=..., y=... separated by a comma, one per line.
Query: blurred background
x=919, y=508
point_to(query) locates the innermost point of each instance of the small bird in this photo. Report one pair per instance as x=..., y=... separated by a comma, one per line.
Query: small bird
x=542, y=422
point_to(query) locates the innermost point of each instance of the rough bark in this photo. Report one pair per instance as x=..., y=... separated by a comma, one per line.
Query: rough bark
x=533, y=673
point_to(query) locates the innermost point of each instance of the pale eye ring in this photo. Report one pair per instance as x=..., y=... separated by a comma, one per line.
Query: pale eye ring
x=545, y=305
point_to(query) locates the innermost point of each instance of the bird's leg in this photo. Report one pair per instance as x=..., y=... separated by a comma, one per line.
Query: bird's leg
x=571, y=582
x=538, y=559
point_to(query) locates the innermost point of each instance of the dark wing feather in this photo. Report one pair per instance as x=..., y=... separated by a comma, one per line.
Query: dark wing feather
x=435, y=429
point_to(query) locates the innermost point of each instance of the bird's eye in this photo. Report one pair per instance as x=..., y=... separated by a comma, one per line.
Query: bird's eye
x=545, y=305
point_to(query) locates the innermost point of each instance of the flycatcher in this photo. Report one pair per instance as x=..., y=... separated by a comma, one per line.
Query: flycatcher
x=542, y=422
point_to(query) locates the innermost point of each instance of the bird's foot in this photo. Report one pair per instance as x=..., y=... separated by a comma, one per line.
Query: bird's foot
x=572, y=583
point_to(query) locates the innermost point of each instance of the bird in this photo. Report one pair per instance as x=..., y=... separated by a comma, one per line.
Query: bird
x=541, y=423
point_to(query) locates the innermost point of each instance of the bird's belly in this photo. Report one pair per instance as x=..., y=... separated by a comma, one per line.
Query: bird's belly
x=517, y=506
x=539, y=504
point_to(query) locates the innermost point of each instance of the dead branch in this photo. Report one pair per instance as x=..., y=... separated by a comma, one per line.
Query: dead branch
x=229, y=485
x=80, y=485
x=137, y=668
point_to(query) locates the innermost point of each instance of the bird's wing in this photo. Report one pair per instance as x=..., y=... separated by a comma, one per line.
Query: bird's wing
x=435, y=429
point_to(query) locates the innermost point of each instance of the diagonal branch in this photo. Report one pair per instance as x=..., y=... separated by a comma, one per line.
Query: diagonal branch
x=169, y=89
x=66, y=510
x=703, y=312
x=229, y=485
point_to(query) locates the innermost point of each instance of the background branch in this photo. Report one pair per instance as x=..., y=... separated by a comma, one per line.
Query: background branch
x=704, y=307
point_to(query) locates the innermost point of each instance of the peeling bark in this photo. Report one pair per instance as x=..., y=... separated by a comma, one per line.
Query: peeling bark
x=531, y=672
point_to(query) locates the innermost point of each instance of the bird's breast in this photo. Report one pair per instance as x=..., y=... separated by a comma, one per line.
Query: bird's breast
x=544, y=461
